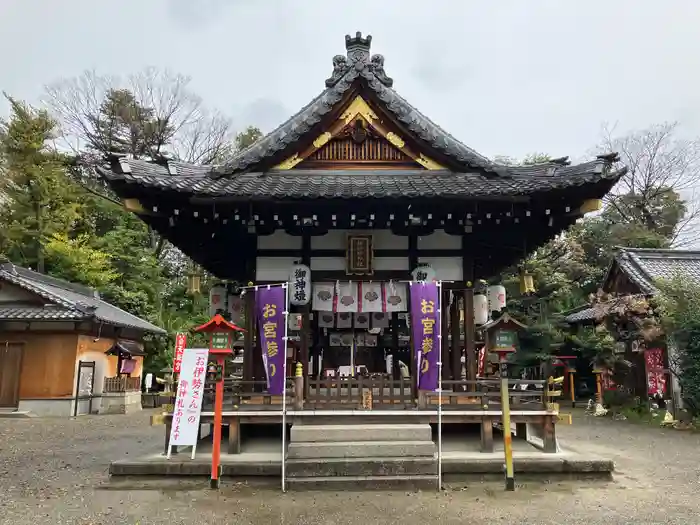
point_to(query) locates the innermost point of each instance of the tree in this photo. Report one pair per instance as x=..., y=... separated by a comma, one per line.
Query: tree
x=680, y=318
x=658, y=190
x=151, y=113
x=38, y=199
x=246, y=138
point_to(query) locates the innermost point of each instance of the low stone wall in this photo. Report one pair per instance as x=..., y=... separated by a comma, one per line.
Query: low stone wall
x=120, y=403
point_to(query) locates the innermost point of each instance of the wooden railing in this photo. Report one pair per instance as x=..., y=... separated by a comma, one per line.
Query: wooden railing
x=485, y=394
x=381, y=392
x=238, y=392
x=359, y=392
x=113, y=385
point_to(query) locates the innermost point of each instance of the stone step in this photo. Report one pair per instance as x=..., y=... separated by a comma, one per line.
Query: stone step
x=12, y=413
x=361, y=449
x=363, y=483
x=364, y=432
x=330, y=467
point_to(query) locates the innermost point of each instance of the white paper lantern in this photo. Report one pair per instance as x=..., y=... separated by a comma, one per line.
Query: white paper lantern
x=481, y=309
x=496, y=297
x=217, y=299
x=424, y=272
x=234, y=304
x=299, y=284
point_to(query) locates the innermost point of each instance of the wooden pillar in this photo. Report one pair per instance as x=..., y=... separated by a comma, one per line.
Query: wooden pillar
x=305, y=335
x=446, y=368
x=456, y=350
x=412, y=263
x=468, y=274
x=304, y=340
x=234, y=436
x=487, y=434
x=470, y=336
x=394, y=341
x=549, y=436
x=248, y=336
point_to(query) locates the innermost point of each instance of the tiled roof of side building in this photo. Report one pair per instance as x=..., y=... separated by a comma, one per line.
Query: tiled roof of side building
x=645, y=267
x=66, y=301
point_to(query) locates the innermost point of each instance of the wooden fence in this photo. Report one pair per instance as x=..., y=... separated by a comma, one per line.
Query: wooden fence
x=113, y=385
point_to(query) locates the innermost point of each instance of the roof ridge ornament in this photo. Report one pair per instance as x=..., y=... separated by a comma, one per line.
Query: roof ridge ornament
x=358, y=58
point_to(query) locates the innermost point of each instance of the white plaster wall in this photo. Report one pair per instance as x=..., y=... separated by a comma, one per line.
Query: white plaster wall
x=446, y=268
x=273, y=268
x=391, y=263
x=439, y=240
x=327, y=263
x=279, y=240
x=381, y=240
x=101, y=364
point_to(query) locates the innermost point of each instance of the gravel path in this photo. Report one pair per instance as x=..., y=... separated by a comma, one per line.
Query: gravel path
x=54, y=471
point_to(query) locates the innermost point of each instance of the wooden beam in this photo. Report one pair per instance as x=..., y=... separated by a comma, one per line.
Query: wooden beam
x=456, y=349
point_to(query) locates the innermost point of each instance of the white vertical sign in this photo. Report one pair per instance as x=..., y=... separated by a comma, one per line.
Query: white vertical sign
x=188, y=403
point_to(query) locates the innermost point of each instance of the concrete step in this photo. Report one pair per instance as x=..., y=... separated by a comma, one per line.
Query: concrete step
x=330, y=467
x=364, y=483
x=361, y=449
x=364, y=432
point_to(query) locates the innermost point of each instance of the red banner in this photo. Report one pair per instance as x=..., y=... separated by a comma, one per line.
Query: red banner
x=656, y=376
x=180, y=344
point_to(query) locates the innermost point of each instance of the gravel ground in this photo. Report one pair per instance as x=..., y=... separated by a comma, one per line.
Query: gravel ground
x=55, y=471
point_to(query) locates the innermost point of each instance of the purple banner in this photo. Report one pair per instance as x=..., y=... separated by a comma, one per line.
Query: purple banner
x=269, y=306
x=425, y=323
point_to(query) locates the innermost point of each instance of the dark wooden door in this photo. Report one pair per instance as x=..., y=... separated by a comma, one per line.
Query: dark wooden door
x=10, y=366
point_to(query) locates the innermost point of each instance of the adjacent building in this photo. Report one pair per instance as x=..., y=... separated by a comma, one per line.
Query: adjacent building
x=63, y=350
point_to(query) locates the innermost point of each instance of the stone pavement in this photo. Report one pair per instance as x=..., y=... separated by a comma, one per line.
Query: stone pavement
x=55, y=470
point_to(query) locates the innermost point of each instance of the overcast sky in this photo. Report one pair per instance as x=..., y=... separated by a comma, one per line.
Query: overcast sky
x=507, y=77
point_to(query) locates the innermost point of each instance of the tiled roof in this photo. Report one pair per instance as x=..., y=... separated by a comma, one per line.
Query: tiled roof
x=299, y=184
x=47, y=312
x=645, y=267
x=65, y=301
x=348, y=71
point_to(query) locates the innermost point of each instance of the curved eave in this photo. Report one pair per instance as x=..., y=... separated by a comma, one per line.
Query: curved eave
x=150, y=178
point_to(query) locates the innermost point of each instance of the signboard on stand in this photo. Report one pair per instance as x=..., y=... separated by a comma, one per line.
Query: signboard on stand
x=188, y=403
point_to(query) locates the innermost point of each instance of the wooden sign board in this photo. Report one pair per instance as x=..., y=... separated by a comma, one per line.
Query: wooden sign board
x=360, y=255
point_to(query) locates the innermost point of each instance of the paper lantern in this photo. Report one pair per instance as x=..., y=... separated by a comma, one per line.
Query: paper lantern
x=424, y=272
x=234, y=304
x=299, y=284
x=496, y=297
x=481, y=309
x=217, y=300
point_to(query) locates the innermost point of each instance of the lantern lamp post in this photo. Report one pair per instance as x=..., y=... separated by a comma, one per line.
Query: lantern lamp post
x=220, y=345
